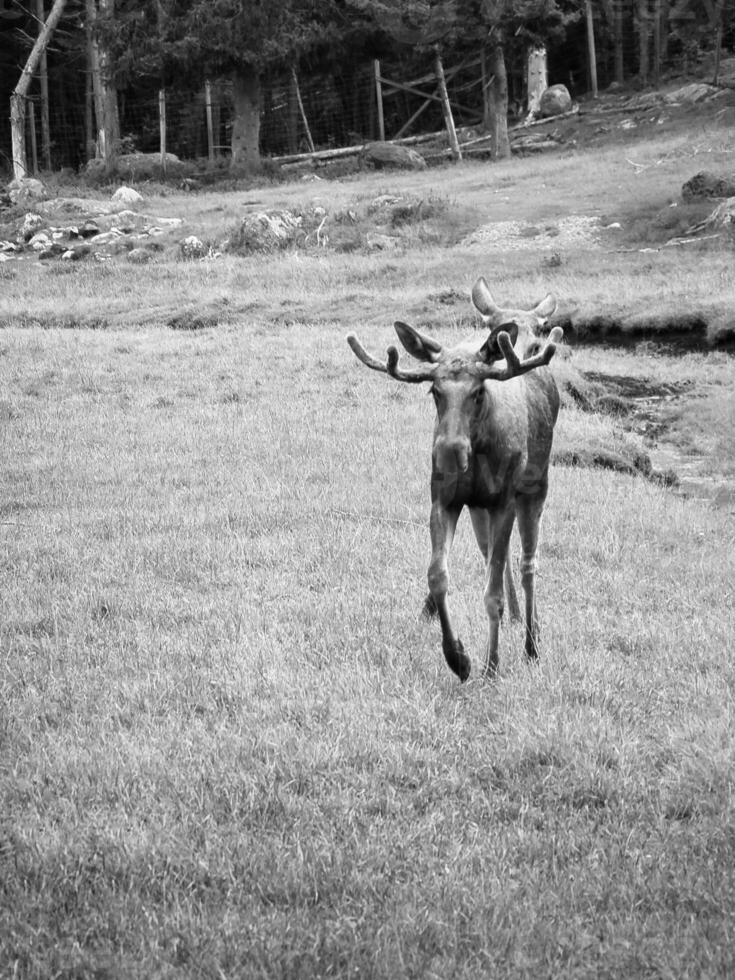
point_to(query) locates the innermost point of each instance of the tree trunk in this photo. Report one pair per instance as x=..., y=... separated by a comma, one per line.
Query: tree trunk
x=246, y=122
x=497, y=103
x=20, y=92
x=105, y=92
x=644, y=28
x=43, y=79
x=618, y=33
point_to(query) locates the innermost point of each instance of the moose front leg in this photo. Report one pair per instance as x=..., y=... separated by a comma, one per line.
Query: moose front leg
x=502, y=526
x=443, y=524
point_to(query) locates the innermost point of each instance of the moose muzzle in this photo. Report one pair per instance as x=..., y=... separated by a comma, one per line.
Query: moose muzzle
x=452, y=455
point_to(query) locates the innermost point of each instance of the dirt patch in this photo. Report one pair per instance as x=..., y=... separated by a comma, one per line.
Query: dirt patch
x=638, y=402
x=648, y=409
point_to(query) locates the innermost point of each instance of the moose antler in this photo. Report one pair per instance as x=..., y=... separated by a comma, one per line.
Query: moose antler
x=414, y=375
x=514, y=366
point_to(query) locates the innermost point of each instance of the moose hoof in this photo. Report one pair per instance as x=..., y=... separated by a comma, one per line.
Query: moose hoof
x=457, y=659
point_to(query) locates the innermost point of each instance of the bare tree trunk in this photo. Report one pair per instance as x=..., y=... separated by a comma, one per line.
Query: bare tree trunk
x=618, y=33
x=497, y=103
x=246, y=121
x=591, y=52
x=105, y=92
x=20, y=92
x=644, y=28
x=657, y=42
x=95, y=76
x=43, y=79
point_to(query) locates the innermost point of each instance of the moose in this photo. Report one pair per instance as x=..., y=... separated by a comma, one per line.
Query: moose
x=496, y=407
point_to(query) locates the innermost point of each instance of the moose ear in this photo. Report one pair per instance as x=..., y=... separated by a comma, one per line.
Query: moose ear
x=483, y=300
x=418, y=345
x=545, y=308
x=490, y=350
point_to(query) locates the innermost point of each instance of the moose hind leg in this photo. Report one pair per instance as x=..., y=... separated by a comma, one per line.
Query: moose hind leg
x=529, y=516
x=443, y=524
x=494, y=600
x=481, y=527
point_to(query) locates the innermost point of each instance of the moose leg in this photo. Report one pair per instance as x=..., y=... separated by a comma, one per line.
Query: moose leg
x=529, y=515
x=481, y=526
x=502, y=525
x=443, y=524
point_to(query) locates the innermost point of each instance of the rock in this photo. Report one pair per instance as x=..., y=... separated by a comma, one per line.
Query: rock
x=554, y=100
x=691, y=94
x=88, y=229
x=143, y=166
x=39, y=241
x=382, y=243
x=271, y=231
x=26, y=189
x=139, y=256
x=31, y=224
x=53, y=251
x=706, y=184
x=381, y=155
x=192, y=248
x=134, y=166
x=127, y=195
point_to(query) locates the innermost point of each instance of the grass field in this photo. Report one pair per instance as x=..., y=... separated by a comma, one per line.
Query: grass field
x=229, y=747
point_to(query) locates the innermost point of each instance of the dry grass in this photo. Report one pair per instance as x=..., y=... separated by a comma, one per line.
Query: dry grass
x=228, y=746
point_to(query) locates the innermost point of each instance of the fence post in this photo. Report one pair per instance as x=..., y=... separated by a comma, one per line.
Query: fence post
x=591, y=48
x=305, y=121
x=162, y=127
x=446, y=107
x=379, y=101
x=210, y=125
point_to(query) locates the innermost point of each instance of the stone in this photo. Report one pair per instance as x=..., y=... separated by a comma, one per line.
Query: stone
x=691, y=94
x=555, y=100
x=30, y=225
x=139, y=256
x=192, y=248
x=708, y=185
x=381, y=155
x=25, y=189
x=127, y=195
x=39, y=241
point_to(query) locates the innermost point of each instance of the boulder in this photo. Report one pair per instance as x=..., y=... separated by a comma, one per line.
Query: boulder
x=144, y=166
x=272, y=231
x=555, y=100
x=127, y=195
x=135, y=166
x=708, y=185
x=192, y=248
x=691, y=94
x=31, y=224
x=24, y=189
x=380, y=155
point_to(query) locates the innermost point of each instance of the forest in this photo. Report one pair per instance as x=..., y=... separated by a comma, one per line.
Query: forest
x=239, y=81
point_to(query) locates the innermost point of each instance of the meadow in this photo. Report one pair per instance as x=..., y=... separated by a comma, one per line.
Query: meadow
x=229, y=746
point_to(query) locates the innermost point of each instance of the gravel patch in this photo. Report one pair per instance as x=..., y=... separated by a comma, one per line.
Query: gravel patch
x=572, y=231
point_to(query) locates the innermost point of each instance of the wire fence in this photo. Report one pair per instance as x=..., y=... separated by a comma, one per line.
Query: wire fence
x=320, y=110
